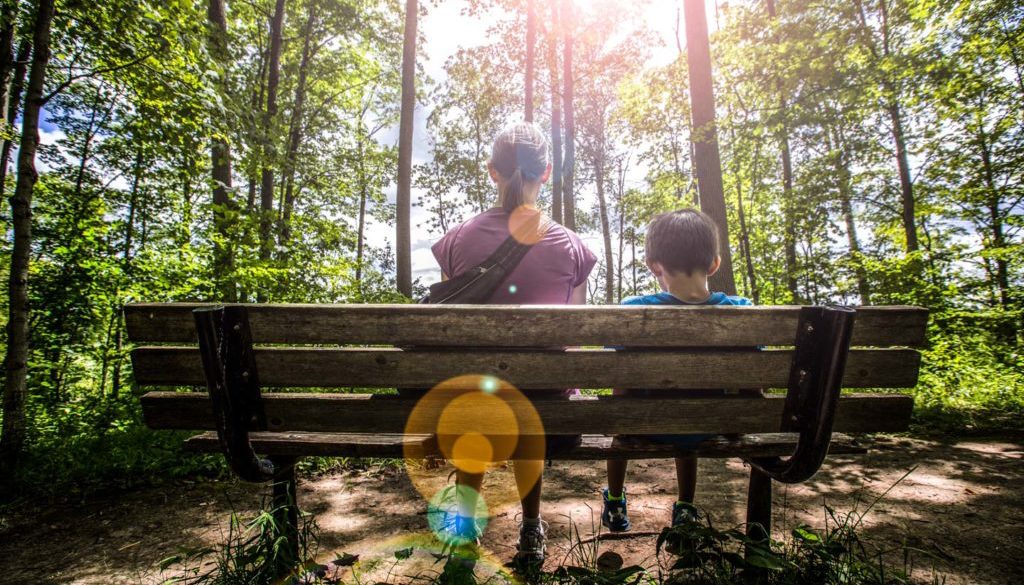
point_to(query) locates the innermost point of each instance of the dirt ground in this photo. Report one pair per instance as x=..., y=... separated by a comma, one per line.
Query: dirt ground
x=964, y=502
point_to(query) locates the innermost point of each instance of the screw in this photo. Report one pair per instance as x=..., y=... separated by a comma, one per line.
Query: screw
x=245, y=374
x=809, y=328
x=237, y=327
x=794, y=419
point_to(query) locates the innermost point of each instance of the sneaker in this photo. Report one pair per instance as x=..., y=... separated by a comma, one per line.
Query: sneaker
x=456, y=530
x=530, y=550
x=679, y=540
x=684, y=513
x=614, y=516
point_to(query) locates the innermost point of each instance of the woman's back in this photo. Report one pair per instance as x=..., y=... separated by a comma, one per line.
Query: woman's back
x=547, y=275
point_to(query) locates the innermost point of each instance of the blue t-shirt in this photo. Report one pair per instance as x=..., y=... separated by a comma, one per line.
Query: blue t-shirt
x=664, y=298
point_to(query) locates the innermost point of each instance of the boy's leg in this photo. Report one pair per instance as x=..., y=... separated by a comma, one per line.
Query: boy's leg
x=686, y=478
x=617, y=476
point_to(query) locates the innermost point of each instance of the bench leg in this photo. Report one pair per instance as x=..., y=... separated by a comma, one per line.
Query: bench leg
x=285, y=504
x=759, y=505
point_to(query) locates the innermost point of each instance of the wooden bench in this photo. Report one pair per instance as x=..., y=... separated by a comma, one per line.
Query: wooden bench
x=238, y=350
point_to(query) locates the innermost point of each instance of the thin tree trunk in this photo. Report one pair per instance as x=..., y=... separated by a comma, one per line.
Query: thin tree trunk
x=906, y=186
x=569, y=162
x=898, y=136
x=788, y=205
x=556, y=117
x=748, y=260
x=295, y=127
x=599, y=177
x=531, y=48
x=845, y=188
x=12, y=440
x=220, y=162
x=403, y=237
x=126, y=269
x=13, y=101
x=620, y=192
x=8, y=22
x=269, y=155
x=704, y=137
x=362, y=211
x=995, y=220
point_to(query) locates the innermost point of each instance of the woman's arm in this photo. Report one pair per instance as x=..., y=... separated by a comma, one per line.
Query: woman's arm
x=579, y=295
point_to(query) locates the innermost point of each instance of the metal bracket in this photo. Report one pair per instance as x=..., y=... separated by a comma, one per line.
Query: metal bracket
x=815, y=381
x=225, y=343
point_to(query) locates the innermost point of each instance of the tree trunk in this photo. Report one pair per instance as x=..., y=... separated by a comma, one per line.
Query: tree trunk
x=898, y=136
x=531, y=47
x=403, y=237
x=8, y=22
x=220, y=163
x=599, y=177
x=788, y=205
x=556, y=118
x=748, y=259
x=362, y=212
x=12, y=440
x=906, y=186
x=295, y=128
x=569, y=163
x=707, y=161
x=845, y=187
x=269, y=154
x=13, y=100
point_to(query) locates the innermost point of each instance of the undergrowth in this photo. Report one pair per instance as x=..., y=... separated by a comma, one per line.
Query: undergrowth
x=699, y=553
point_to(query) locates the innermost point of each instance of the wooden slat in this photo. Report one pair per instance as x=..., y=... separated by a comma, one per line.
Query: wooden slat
x=592, y=446
x=527, y=326
x=369, y=413
x=525, y=369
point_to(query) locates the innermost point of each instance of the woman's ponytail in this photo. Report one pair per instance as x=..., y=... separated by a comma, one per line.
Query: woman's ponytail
x=512, y=193
x=520, y=155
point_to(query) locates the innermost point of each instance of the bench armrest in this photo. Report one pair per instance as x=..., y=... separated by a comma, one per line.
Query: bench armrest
x=225, y=344
x=815, y=382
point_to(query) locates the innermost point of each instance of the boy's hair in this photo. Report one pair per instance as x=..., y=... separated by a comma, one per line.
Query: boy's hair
x=682, y=241
x=520, y=154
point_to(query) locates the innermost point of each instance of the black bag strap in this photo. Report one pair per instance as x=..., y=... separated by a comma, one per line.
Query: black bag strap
x=512, y=251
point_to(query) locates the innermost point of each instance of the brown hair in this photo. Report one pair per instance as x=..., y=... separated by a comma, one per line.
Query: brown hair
x=520, y=154
x=682, y=241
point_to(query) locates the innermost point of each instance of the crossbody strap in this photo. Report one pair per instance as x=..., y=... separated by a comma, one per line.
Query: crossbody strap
x=512, y=251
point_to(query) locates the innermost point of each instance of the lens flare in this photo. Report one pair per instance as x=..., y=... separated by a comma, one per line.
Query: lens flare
x=524, y=224
x=476, y=423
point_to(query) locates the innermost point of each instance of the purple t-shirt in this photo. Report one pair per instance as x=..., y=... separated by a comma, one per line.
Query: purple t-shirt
x=547, y=275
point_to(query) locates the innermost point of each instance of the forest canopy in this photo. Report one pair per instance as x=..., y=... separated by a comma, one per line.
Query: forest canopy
x=872, y=152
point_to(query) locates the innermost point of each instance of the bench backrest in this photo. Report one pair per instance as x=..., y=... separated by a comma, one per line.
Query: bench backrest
x=330, y=346
x=418, y=346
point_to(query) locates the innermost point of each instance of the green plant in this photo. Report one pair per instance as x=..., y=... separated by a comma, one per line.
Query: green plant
x=255, y=552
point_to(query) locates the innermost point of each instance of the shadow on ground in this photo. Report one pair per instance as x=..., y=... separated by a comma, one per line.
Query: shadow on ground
x=964, y=503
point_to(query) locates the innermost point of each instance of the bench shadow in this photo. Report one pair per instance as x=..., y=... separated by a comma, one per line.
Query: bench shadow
x=964, y=504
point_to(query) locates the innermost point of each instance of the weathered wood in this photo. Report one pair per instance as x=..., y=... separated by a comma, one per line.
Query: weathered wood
x=374, y=413
x=592, y=447
x=526, y=369
x=513, y=326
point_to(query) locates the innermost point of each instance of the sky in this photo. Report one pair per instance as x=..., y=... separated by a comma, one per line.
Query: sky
x=437, y=28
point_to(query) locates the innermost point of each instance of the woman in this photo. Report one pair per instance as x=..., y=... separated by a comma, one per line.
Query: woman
x=554, y=271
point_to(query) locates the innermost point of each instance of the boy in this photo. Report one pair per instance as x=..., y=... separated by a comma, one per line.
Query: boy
x=682, y=252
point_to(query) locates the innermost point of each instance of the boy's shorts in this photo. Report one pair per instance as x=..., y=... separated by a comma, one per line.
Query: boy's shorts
x=685, y=442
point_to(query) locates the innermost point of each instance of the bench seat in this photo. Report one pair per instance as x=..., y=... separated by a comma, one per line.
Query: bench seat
x=298, y=444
